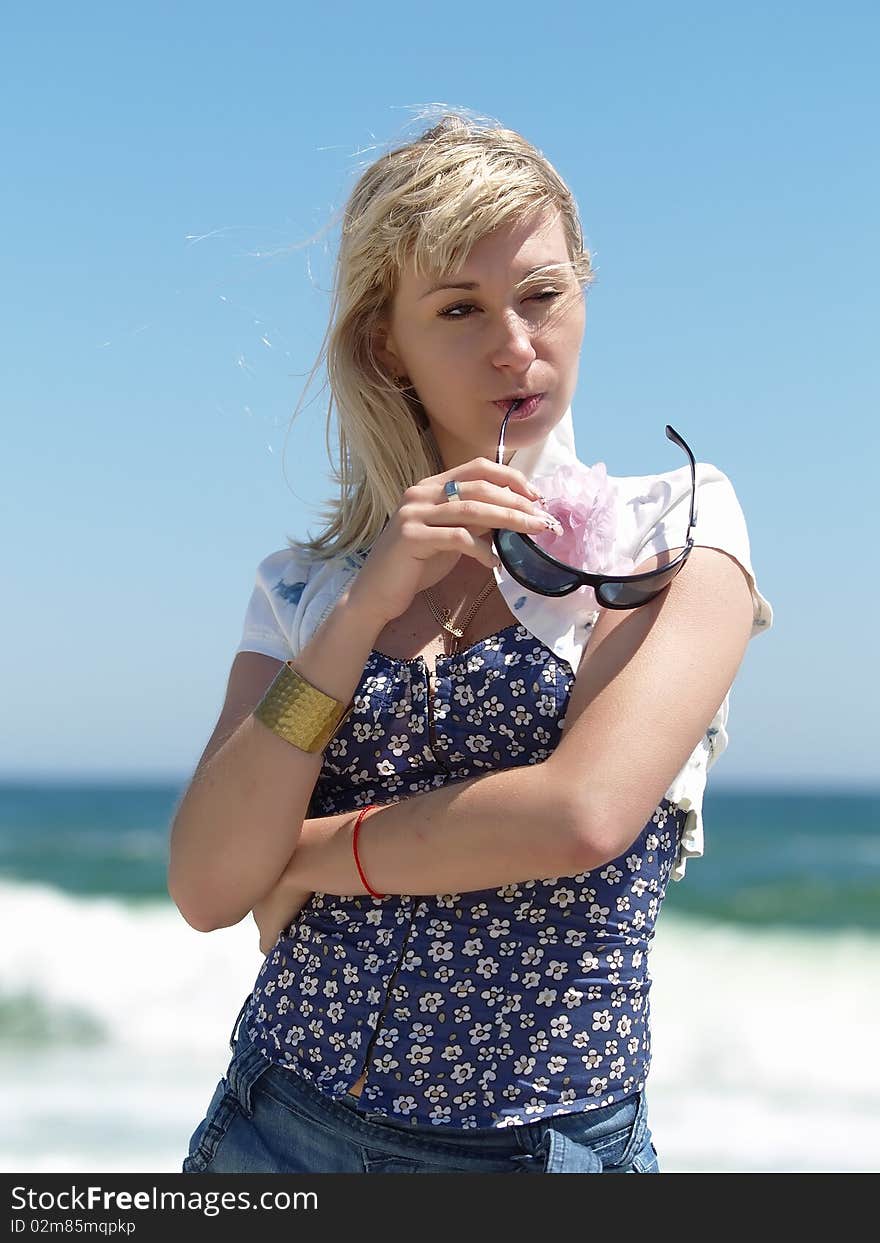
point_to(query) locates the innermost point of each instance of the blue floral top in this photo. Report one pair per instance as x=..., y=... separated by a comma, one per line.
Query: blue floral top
x=484, y=1009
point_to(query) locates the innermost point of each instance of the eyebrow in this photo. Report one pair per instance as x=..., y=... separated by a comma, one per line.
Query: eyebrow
x=476, y=284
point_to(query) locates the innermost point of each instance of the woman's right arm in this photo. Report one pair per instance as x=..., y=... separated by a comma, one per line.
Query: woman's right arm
x=239, y=821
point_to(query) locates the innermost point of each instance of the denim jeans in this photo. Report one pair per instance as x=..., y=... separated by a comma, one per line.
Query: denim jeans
x=264, y=1119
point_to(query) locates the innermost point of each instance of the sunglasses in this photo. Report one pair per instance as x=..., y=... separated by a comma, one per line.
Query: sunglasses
x=536, y=569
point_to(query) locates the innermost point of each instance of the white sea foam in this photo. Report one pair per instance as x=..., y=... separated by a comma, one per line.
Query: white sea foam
x=115, y=1020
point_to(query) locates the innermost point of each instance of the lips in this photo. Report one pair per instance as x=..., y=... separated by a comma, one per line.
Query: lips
x=505, y=401
x=527, y=407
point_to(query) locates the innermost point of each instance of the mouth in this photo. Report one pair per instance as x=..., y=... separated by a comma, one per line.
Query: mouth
x=528, y=405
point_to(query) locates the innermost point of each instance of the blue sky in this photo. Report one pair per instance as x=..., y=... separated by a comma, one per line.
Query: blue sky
x=170, y=177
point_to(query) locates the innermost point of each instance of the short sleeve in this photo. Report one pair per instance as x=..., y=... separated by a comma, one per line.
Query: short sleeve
x=720, y=523
x=268, y=620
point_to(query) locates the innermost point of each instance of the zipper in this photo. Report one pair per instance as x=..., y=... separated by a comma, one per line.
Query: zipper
x=365, y=1068
x=432, y=727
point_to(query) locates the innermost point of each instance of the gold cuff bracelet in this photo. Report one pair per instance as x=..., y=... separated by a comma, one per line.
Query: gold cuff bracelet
x=299, y=713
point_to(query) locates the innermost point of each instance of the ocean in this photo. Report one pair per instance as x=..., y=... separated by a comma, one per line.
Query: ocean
x=115, y=1015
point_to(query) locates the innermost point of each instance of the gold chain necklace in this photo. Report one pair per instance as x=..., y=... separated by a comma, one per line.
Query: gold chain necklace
x=444, y=617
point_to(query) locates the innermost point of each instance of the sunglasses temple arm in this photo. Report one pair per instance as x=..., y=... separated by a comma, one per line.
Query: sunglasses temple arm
x=683, y=444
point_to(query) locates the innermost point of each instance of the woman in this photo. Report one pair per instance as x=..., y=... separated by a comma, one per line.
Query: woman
x=455, y=836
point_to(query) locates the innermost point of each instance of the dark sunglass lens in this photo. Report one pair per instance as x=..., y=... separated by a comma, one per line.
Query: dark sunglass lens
x=624, y=595
x=525, y=562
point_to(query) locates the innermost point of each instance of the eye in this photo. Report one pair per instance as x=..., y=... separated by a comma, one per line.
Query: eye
x=546, y=296
x=449, y=313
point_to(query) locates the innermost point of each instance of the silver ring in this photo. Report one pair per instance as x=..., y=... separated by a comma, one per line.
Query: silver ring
x=451, y=490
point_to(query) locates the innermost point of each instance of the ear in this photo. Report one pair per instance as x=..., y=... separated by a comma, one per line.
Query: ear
x=385, y=351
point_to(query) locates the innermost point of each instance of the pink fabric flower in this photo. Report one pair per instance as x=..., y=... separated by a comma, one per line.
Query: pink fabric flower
x=582, y=500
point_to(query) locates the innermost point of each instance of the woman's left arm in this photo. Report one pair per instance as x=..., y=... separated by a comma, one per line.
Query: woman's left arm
x=649, y=683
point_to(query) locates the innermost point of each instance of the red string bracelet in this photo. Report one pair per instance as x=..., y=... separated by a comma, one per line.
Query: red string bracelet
x=354, y=846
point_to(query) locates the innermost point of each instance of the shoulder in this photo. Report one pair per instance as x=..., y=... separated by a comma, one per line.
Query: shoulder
x=653, y=512
x=284, y=574
x=642, y=501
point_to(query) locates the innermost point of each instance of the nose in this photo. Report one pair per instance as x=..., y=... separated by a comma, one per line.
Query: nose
x=513, y=348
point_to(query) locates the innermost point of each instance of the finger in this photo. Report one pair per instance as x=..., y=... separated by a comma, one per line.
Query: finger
x=428, y=542
x=485, y=517
x=494, y=472
x=493, y=493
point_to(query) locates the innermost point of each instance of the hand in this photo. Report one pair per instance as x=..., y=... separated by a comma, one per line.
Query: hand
x=276, y=911
x=427, y=534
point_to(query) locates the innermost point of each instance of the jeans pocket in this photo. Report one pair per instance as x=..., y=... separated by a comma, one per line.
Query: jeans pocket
x=207, y=1136
x=645, y=1161
x=636, y=1149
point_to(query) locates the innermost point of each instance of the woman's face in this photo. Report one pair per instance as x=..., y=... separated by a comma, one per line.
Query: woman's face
x=463, y=349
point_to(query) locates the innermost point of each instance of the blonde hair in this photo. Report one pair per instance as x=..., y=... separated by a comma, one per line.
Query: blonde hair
x=429, y=201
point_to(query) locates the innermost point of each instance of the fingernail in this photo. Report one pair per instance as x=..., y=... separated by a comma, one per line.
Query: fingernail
x=552, y=523
x=540, y=502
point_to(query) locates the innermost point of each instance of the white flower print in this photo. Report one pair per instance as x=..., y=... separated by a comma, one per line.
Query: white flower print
x=426, y=956
x=546, y=706
x=440, y=951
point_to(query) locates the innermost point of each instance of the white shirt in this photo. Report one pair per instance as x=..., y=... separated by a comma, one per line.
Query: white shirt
x=291, y=597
